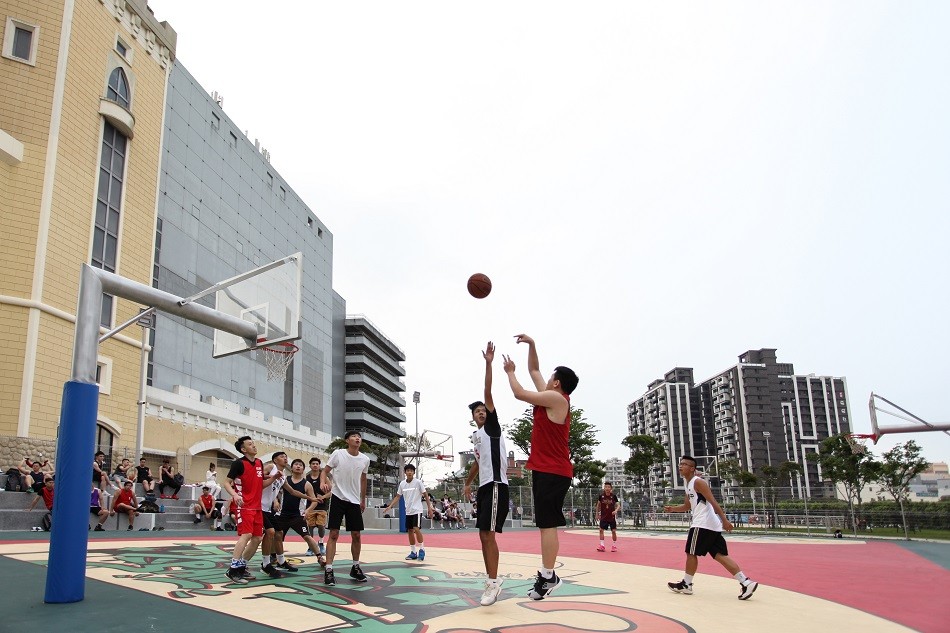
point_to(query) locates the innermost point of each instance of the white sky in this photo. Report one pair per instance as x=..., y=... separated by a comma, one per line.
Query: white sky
x=648, y=185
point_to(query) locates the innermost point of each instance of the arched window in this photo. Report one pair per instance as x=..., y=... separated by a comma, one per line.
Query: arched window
x=119, y=88
x=104, y=442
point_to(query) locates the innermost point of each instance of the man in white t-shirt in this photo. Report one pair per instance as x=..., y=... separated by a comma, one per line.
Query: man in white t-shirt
x=347, y=502
x=414, y=492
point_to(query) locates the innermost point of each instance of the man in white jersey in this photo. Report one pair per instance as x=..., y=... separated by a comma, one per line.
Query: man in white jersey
x=414, y=492
x=490, y=466
x=705, y=532
x=349, y=467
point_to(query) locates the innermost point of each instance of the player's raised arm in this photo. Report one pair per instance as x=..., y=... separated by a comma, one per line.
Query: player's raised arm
x=489, y=356
x=545, y=398
x=534, y=367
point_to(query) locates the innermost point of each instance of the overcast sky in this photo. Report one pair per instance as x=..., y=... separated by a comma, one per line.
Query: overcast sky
x=648, y=185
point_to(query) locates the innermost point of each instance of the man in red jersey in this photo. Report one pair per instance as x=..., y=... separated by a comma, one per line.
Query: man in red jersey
x=124, y=502
x=245, y=483
x=550, y=459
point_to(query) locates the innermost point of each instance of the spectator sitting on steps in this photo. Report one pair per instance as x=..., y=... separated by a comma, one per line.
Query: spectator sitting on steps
x=125, y=502
x=205, y=509
x=34, y=474
x=143, y=474
x=96, y=509
x=123, y=472
x=168, y=480
x=46, y=494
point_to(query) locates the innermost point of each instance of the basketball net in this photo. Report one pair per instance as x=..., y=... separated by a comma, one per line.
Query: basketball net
x=858, y=447
x=277, y=359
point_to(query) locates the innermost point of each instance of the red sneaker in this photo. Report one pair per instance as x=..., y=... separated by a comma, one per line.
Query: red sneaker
x=174, y=496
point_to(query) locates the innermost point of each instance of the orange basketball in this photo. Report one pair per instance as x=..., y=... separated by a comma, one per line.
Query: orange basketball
x=479, y=285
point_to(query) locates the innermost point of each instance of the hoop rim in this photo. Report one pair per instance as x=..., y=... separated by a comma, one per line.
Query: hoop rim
x=274, y=347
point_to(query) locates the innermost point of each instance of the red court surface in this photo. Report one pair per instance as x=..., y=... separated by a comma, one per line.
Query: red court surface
x=817, y=584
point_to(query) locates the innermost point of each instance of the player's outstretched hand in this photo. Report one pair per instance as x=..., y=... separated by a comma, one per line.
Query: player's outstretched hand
x=489, y=353
x=509, y=365
x=524, y=338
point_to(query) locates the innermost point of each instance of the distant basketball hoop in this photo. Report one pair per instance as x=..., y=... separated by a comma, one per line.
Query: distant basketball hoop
x=858, y=447
x=277, y=359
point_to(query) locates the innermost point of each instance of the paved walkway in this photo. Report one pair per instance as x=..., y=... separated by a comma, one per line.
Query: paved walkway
x=172, y=582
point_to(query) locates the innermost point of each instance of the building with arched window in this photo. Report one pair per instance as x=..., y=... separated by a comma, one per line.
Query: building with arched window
x=84, y=88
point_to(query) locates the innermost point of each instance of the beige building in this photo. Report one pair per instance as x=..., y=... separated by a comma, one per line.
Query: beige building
x=82, y=94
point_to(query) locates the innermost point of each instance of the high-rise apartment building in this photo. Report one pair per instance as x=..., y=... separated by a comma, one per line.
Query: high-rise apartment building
x=758, y=412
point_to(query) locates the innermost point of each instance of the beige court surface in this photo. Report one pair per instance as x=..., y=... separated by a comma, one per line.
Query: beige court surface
x=184, y=579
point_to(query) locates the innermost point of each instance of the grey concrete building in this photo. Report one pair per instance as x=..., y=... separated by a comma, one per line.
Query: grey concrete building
x=758, y=412
x=374, y=386
x=223, y=210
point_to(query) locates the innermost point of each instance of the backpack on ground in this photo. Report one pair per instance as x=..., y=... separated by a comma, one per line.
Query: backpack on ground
x=48, y=521
x=149, y=507
x=14, y=480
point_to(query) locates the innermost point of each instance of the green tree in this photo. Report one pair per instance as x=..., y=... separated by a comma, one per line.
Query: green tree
x=901, y=464
x=645, y=452
x=853, y=470
x=580, y=445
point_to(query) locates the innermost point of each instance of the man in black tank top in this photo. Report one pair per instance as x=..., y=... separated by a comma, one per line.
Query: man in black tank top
x=323, y=503
x=290, y=517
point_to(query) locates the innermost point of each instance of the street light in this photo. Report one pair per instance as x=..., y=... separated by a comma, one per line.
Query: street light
x=768, y=446
x=415, y=401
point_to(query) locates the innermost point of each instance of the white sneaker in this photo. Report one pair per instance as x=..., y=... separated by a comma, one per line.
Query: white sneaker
x=492, y=590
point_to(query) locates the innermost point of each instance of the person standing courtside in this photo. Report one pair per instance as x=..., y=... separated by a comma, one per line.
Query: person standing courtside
x=705, y=532
x=245, y=483
x=550, y=458
x=490, y=464
x=414, y=492
x=607, y=506
x=349, y=467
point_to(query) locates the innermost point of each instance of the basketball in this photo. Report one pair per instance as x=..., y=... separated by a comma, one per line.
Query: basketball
x=479, y=285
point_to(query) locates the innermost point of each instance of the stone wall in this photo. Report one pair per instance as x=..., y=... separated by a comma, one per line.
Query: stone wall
x=14, y=449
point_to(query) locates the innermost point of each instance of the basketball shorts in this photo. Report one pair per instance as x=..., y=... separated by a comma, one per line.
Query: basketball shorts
x=250, y=522
x=549, y=491
x=608, y=524
x=413, y=521
x=491, y=507
x=268, y=519
x=342, y=511
x=702, y=542
x=296, y=523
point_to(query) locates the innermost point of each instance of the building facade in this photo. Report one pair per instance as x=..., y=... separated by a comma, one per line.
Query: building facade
x=83, y=91
x=375, y=404
x=757, y=412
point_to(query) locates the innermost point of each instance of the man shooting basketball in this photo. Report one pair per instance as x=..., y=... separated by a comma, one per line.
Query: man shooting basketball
x=705, y=532
x=550, y=458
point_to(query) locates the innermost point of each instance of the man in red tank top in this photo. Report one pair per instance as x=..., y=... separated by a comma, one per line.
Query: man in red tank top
x=550, y=458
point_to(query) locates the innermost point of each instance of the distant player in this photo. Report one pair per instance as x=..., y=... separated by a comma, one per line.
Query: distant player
x=414, y=492
x=492, y=500
x=705, y=532
x=323, y=503
x=550, y=458
x=607, y=506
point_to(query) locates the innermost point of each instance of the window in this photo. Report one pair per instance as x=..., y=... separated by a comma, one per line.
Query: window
x=233, y=139
x=283, y=193
x=215, y=121
x=19, y=41
x=105, y=239
x=270, y=180
x=118, y=88
x=123, y=49
x=104, y=441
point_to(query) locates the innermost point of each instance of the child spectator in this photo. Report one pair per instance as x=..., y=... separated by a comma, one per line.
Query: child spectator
x=46, y=494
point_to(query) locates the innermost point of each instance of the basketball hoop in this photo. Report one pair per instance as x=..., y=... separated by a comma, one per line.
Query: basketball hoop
x=277, y=359
x=858, y=447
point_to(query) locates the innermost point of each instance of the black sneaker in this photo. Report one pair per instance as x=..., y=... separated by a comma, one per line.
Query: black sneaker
x=544, y=587
x=197, y=521
x=747, y=590
x=246, y=575
x=271, y=571
x=681, y=587
x=286, y=566
x=357, y=574
x=328, y=577
x=236, y=574
x=99, y=528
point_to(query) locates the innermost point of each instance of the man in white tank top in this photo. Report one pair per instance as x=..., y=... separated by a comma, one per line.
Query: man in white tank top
x=705, y=532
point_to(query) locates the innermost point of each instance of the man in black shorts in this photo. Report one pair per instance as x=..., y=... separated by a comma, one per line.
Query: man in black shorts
x=143, y=474
x=290, y=517
x=349, y=467
x=705, y=532
x=490, y=465
x=607, y=506
x=550, y=460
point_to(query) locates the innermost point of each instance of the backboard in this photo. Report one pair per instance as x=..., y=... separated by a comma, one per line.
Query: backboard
x=268, y=297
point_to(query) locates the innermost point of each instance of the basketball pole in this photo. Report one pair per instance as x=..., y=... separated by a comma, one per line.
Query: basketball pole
x=66, y=569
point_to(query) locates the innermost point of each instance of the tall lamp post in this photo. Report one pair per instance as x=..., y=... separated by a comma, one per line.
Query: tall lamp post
x=415, y=401
x=768, y=446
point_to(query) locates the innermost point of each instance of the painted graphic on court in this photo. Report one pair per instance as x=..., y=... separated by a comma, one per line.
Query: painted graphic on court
x=399, y=597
